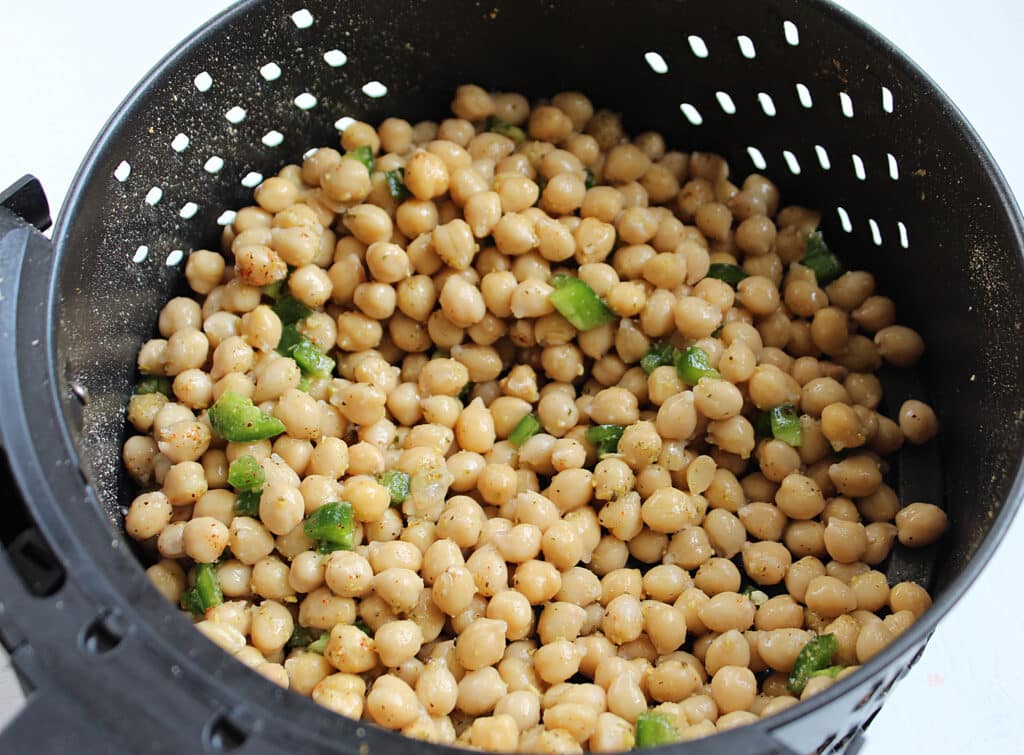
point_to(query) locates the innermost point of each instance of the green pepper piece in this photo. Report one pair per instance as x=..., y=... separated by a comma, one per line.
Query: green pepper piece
x=832, y=671
x=397, y=484
x=395, y=179
x=819, y=258
x=303, y=384
x=498, y=126
x=245, y=473
x=248, y=503
x=655, y=729
x=814, y=656
x=527, y=427
x=361, y=626
x=364, y=155
x=273, y=290
x=605, y=438
x=694, y=364
x=319, y=645
x=659, y=355
x=290, y=338
x=588, y=179
x=237, y=419
x=300, y=637
x=290, y=310
x=331, y=526
x=311, y=360
x=731, y=274
x=785, y=424
x=577, y=303
x=205, y=593
x=154, y=384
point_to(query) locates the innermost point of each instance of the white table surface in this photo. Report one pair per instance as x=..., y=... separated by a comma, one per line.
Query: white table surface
x=66, y=64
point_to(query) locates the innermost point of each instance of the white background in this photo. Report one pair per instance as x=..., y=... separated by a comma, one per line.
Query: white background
x=65, y=65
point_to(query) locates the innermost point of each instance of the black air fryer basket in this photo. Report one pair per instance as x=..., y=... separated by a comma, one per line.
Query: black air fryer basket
x=802, y=91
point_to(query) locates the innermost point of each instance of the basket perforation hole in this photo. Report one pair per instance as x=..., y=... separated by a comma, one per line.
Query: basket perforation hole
x=844, y=219
x=894, y=168
x=214, y=164
x=876, y=232
x=691, y=114
x=103, y=634
x=180, y=143
x=904, y=236
x=309, y=153
x=174, y=258
x=375, y=89
x=154, y=195
x=122, y=171
x=344, y=122
x=698, y=46
x=767, y=104
x=305, y=101
x=887, y=102
x=224, y=736
x=235, y=115
x=188, y=210
x=791, y=32
x=846, y=104
x=227, y=217
x=270, y=72
x=140, y=254
x=757, y=158
x=203, y=81
x=335, y=58
x=302, y=18
x=252, y=179
x=273, y=138
x=791, y=162
x=725, y=102
x=804, y=95
x=746, y=45
x=822, y=154
x=858, y=167
x=656, y=62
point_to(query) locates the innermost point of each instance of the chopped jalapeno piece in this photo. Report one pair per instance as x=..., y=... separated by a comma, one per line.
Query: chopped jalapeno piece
x=528, y=427
x=397, y=484
x=245, y=473
x=205, y=593
x=303, y=384
x=331, y=526
x=273, y=290
x=237, y=419
x=319, y=645
x=814, y=656
x=731, y=274
x=831, y=672
x=311, y=360
x=290, y=310
x=659, y=355
x=395, y=179
x=655, y=729
x=364, y=155
x=248, y=503
x=577, y=303
x=498, y=126
x=290, y=338
x=154, y=384
x=300, y=637
x=605, y=437
x=785, y=425
x=819, y=258
x=361, y=626
x=588, y=179
x=694, y=364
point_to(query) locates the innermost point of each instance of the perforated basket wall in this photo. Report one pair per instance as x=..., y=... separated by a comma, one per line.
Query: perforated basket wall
x=798, y=90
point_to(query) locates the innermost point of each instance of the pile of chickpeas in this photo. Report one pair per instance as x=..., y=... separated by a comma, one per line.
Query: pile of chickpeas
x=532, y=598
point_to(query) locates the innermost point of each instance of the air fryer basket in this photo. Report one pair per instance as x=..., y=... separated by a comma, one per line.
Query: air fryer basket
x=818, y=101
